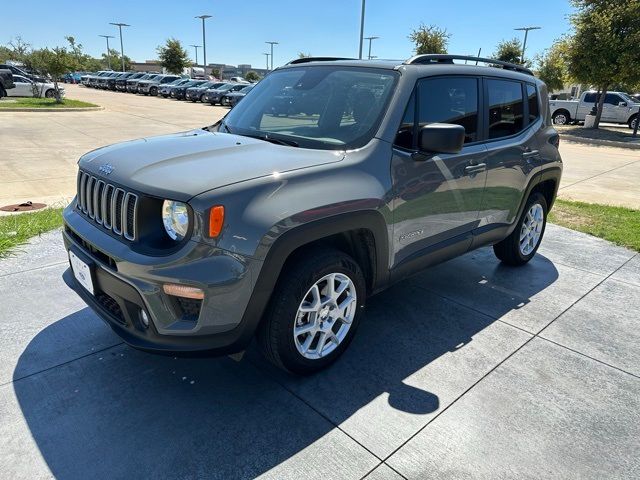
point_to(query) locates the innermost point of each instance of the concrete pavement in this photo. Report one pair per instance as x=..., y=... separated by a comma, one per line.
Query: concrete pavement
x=40, y=150
x=468, y=370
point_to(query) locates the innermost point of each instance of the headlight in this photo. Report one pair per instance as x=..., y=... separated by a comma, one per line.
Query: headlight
x=175, y=217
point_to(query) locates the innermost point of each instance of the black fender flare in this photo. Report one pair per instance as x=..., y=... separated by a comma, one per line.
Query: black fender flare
x=287, y=243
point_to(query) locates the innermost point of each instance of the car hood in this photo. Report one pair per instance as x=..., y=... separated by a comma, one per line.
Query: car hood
x=183, y=165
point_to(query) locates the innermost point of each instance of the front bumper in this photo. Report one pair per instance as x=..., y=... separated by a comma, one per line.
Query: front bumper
x=126, y=282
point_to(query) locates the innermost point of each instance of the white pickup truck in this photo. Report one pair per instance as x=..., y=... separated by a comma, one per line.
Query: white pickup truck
x=618, y=108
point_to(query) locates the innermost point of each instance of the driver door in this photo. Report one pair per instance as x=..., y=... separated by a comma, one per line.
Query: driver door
x=437, y=198
x=23, y=87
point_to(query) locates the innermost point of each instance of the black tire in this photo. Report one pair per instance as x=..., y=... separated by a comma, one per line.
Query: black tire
x=2, y=92
x=153, y=91
x=508, y=250
x=202, y=98
x=275, y=335
x=50, y=93
x=632, y=120
x=561, y=117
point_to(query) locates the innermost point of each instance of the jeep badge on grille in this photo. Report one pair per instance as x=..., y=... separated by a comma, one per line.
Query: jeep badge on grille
x=106, y=168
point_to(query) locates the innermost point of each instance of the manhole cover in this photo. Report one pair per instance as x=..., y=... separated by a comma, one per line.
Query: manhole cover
x=23, y=207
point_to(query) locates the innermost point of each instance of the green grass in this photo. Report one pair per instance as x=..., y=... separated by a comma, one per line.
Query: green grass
x=9, y=103
x=617, y=224
x=16, y=229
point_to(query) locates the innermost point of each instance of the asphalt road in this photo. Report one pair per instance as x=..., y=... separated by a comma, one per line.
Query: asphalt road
x=40, y=150
x=469, y=370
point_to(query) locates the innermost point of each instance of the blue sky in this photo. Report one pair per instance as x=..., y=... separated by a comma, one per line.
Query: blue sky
x=238, y=30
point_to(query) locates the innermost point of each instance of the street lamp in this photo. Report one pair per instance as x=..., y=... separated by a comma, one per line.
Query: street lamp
x=267, y=55
x=196, y=47
x=361, y=30
x=204, y=43
x=524, y=44
x=120, y=25
x=272, y=44
x=370, y=40
x=108, y=55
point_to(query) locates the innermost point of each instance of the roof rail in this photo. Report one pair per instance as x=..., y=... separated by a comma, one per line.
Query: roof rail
x=317, y=59
x=442, y=58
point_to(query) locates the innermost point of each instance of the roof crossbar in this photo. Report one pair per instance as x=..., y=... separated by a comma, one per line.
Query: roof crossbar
x=430, y=59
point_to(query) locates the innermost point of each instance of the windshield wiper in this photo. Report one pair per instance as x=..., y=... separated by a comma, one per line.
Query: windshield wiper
x=267, y=138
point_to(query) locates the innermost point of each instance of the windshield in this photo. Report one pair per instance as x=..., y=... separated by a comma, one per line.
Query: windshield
x=326, y=107
x=246, y=89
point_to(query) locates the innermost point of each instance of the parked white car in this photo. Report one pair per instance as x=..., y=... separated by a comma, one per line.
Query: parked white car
x=618, y=107
x=24, y=87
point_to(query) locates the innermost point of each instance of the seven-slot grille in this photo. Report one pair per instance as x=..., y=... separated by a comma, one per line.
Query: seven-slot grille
x=108, y=205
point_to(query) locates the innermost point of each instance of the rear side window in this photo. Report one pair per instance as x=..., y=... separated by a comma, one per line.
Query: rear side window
x=534, y=111
x=505, y=108
x=590, y=98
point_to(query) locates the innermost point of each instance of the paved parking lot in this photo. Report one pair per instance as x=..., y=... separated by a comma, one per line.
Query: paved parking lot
x=469, y=370
x=40, y=150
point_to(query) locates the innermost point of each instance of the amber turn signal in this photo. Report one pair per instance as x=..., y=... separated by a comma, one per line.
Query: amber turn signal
x=183, y=291
x=216, y=219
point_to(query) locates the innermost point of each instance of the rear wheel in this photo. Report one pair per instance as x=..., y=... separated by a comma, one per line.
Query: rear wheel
x=314, y=312
x=520, y=247
x=561, y=117
x=632, y=121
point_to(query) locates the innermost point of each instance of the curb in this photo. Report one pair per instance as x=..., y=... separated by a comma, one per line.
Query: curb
x=72, y=109
x=598, y=141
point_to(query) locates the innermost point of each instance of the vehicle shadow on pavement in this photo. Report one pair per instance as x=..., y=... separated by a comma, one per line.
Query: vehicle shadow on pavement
x=120, y=413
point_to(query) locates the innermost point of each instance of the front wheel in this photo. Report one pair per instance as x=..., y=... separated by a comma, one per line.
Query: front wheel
x=50, y=93
x=153, y=91
x=314, y=311
x=522, y=244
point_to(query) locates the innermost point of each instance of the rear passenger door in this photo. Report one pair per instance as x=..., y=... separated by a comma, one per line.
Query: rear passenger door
x=437, y=196
x=512, y=147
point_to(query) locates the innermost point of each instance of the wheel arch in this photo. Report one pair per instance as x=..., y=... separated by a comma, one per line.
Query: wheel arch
x=362, y=234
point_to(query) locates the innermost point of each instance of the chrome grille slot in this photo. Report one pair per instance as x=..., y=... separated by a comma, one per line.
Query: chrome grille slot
x=112, y=207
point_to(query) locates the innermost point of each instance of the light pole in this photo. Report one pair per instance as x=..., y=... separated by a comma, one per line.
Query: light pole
x=196, y=47
x=272, y=44
x=370, y=40
x=361, y=30
x=204, y=43
x=120, y=25
x=267, y=55
x=524, y=44
x=108, y=55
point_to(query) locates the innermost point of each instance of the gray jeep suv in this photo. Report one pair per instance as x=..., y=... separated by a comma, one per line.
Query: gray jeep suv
x=282, y=224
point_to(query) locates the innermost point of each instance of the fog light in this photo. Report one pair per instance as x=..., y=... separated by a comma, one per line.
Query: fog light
x=144, y=318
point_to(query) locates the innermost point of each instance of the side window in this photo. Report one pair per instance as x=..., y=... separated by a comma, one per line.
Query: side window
x=450, y=100
x=404, y=137
x=590, y=98
x=505, y=108
x=612, y=99
x=534, y=111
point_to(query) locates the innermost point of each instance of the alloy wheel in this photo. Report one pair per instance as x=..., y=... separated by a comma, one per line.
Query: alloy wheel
x=531, y=229
x=325, y=316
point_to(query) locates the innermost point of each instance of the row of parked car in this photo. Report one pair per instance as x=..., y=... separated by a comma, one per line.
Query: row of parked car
x=227, y=93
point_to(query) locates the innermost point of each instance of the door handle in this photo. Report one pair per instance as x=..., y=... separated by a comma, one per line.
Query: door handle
x=475, y=168
x=531, y=153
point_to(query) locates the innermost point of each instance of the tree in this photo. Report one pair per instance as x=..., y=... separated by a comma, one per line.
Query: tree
x=173, y=57
x=19, y=49
x=552, y=65
x=216, y=73
x=604, y=49
x=5, y=54
x=114, y=60
x=304, y=55
x=429, y=39
x=252, y=76
x=55, y=63
x=509, y=51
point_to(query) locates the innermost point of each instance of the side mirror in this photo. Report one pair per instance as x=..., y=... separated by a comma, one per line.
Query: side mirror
x=441, y=138
x=622, y=104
